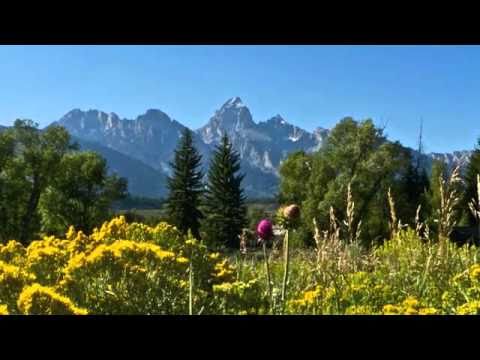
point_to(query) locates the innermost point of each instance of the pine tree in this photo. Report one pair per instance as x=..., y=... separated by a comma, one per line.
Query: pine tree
x=415, y=186
x=225, y=210
x=185, y=187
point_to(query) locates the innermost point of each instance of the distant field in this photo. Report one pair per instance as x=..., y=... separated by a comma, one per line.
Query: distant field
x=149, y=214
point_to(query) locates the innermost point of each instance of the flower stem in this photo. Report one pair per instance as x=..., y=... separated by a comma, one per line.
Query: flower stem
x=190, y=292
x=285, y=274
x=267, y=269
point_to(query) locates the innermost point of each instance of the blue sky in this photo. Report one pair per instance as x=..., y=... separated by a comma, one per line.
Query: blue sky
x=309, y=86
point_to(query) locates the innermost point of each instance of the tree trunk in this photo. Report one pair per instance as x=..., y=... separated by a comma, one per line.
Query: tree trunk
x=25, y=231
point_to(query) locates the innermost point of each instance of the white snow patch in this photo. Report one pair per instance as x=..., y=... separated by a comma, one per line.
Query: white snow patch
x=266, y=160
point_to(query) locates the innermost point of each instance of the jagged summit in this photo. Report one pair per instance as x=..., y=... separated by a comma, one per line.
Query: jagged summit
x=233, y=102
x=152, y=138
x=277, y=120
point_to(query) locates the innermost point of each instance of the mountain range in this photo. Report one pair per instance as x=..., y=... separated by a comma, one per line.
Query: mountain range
x=140, y=149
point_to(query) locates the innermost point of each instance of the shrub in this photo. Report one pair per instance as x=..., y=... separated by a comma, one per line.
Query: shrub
x=12, y=281
x=40, y=300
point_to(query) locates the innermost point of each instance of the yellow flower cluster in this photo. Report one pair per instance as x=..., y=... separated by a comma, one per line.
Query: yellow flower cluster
x=115, y=229
x=359, y=310
x=309, y=298
x=12, y=280
x=223, y=269
x=37, y=299
x=119, y=268
x=13, y=253
x=469, y=308
x=410, y=306
x=46, y=259
x=474, y=272
x=3, y=310
x=239, y=297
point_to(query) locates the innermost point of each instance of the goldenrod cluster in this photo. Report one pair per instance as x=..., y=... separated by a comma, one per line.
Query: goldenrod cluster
x=119, y=268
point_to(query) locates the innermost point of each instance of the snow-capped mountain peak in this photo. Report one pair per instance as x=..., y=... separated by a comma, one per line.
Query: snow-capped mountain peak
x=234, y=102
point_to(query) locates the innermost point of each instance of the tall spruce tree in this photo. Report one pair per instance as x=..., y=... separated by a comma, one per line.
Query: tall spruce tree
x=185, y=187
x=225, y=210
x=414, y=192
x=470, y=178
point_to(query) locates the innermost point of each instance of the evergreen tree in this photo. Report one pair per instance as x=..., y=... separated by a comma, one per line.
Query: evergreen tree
x=415, y=186
x=185, y=187
x=470, y=193
x=225, y=210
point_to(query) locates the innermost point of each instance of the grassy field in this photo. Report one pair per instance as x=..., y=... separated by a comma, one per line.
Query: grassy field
x=255, y=211
x=136, y=269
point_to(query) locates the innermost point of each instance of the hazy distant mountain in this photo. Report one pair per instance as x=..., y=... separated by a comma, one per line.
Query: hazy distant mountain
x=143, y=180
x=150, y=139
x=153, y=136
x=457, y=158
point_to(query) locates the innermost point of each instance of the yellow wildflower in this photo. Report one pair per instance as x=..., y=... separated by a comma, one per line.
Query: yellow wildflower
x=411, y=311
x=37, y=299
x=3, y=310
x=428, y=311
x=359, y=310
x=390, y=309
x=410, y=302
x=214, y=256
x=13, y=252
x=475, y=272
x=70, y=235
x=470, y=308
x=182, y=260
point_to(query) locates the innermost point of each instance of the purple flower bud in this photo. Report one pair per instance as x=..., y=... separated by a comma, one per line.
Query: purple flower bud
x=265, y=230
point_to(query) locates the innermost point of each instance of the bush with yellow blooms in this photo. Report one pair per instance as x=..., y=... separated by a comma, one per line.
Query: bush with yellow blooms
x=132, y=268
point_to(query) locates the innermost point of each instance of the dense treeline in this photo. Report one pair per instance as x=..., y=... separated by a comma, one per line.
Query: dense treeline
x=359, y=154
x=46, y=184
x=131, y=202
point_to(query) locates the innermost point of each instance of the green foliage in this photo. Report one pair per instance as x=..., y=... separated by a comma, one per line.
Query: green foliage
x=255, y=214
x=355, y=153
x=411, y=193
x=46, y=186
x=294, y=171
x=80, y=195
x=36, y=162
x=138, y=202
x=439, y=171
x=7, y=186
x=185, y=187
x=225, y=210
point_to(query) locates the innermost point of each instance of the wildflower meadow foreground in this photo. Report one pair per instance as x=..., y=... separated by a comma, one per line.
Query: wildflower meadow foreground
x=132, y=268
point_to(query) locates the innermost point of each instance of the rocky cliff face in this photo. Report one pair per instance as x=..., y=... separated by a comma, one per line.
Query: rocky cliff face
x=152, y=137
